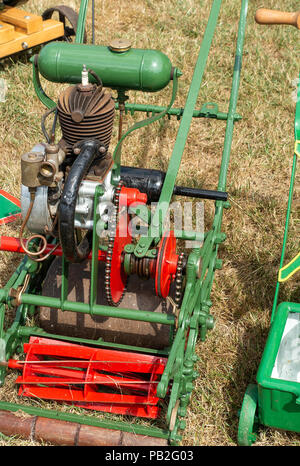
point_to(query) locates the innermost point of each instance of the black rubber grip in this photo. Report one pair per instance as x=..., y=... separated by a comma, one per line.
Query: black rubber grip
x=151, y=181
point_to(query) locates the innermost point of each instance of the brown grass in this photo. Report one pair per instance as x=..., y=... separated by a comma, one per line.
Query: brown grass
x=258, y=178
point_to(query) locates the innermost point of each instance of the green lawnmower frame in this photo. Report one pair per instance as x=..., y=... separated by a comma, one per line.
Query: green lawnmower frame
x=189, y=323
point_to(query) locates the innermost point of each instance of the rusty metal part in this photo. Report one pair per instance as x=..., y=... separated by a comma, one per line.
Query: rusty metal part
x=86, y=113
x=174, y=416
x=179, y=279
x=121, y=114
x=140, y=294
x=17, y=293
x=68, y=17
x=100, y=168
x=65, y=433
x=144, y=267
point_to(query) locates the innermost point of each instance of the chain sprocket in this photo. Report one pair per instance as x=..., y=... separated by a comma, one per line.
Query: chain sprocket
x=110, y=250
x=179, y=280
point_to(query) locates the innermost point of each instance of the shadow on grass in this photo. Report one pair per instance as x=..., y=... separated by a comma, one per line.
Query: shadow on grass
x=20, y=57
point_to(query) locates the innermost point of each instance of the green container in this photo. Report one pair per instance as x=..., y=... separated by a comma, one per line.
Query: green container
x=135, y=69
x=278, y=397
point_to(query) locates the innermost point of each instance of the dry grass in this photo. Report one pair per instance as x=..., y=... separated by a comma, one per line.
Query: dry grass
x=258, y=178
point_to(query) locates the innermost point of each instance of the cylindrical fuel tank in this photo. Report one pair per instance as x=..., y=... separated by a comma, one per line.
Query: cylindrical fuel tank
x=134, y=69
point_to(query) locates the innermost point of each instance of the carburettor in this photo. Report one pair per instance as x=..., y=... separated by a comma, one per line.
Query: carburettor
x=41, y=173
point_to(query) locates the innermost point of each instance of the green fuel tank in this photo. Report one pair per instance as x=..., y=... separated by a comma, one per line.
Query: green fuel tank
x=132, y=69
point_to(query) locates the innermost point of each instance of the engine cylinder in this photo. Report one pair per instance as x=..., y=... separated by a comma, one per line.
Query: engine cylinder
x=85, y=112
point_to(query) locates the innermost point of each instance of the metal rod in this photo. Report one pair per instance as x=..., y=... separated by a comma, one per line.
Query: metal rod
x=233, y=97
x=174, y=164
x=93, y=21
x=86, y=420
x=11, y=244
x=133, y=107
x=81, y=21
x=97, y=309
x=210, y=248
x=29, y=331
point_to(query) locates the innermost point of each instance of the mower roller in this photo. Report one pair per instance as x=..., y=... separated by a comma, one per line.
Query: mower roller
x=21, y=30
x=115, y=310
x=275, y=400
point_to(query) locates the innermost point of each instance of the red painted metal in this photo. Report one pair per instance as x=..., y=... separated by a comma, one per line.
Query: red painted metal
x=93, y=378
x=166, y=264
x=118, y=277
x=132, y=196
x=11, y=244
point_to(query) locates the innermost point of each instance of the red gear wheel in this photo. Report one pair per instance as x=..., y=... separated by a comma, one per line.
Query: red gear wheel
x=166, y=265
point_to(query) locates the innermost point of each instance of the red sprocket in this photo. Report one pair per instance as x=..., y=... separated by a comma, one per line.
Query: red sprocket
x=115, y=276
x=166, y=265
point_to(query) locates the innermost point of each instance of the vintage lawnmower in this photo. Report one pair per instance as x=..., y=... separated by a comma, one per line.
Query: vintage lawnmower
x=108, y=304
x=21, y=30
x=275, y=400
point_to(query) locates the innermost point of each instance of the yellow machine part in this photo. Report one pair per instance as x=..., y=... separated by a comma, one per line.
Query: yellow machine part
x=20, y=30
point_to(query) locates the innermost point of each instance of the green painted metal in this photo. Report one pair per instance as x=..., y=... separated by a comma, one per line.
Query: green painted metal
x=81, y=21
x=95, y=249
x=140, y=124
x=289, y=270
x=208, y=110
x=137, y=69
x=194, y=319
x=248, y=418
x=233, y=98
x=96, y=309
x=86, y=420
x=25, y=332
x=278, y=399
x=158, y=218
x=41, y=94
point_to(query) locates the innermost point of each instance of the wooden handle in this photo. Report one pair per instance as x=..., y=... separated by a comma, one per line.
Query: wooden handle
x=264, y=16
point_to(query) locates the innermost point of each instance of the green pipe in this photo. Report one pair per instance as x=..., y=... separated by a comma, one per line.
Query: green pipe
x=233, y=96
x=189, y=235
x=97, y=309
x=4, y=295
x=81, y=21
x=175, y=161
x=27, y=332
x=133, y=107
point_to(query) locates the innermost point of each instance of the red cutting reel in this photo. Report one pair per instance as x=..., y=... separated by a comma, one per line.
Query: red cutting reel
x=105, y=380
